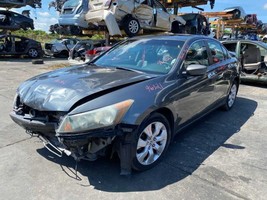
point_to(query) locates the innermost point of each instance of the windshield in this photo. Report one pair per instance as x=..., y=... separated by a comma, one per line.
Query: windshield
x=148, y=55
x=72, y=3
x=56, y=41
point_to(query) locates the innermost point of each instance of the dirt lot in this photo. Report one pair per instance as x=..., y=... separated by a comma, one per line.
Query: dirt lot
x=223, y=156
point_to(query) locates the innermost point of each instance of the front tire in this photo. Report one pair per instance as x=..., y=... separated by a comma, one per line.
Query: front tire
x=131, y=26
x=152, y=142
x=231, y=97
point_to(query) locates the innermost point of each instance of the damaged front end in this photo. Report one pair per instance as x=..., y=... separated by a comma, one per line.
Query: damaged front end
x=84, y=136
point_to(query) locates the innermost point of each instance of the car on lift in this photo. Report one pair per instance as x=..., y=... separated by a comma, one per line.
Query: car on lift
x=60, y=47
x=12, y=45
x=132, y=99
x=132, y=16
x=236, y=11
x=13, y=3
x=72, y=16
x=14, y=21
x=252, y=55
x=195, y=24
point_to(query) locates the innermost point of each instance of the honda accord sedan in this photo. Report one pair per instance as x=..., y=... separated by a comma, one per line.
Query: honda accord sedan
x=131, y=100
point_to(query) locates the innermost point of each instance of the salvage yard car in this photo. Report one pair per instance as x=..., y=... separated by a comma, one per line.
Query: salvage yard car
x=72, y=16
x=253, y=57
x=85, y=50
x=60, y=47
x=132, y=99
x=14, y=21
x=195, y=24
x=132, y=16
x=12, y=45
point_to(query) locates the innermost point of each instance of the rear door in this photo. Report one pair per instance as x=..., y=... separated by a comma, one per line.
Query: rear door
x=219, y=71
x=162, y=16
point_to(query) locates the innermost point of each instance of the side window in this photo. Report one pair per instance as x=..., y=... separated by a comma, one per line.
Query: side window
x=67, y=42
x=71, y=42
x=230, y=46
x=196, y=54
x=263, y=51
x=225, y=52
x=159, y=6
x=216, y=51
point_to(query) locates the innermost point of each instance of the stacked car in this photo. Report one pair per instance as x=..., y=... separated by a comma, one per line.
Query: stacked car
x=12, y=45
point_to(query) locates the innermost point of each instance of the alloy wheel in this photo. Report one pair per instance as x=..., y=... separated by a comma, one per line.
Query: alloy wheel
x=151, y=143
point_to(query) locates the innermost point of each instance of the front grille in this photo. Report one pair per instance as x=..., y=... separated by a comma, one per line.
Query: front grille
x=33, y=114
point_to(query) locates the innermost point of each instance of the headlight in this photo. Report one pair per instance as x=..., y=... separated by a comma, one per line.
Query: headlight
x=102, y=117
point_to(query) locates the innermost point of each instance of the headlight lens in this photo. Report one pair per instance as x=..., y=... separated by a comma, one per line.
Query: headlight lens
x=102, y=117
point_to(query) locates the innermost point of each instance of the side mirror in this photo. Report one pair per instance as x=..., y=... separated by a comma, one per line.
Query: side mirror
x=196, y=70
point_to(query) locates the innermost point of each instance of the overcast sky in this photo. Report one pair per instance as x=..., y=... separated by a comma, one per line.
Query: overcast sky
x=44, y=17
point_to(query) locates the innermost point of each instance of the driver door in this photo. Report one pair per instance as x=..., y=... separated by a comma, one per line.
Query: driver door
x=194, y=93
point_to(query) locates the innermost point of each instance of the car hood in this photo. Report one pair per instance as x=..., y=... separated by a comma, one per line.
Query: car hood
x=61, y=89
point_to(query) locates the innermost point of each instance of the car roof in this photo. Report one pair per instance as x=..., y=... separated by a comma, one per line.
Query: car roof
x=234, y=41
x=9, y=11
x=170, y=36
x=9, y=35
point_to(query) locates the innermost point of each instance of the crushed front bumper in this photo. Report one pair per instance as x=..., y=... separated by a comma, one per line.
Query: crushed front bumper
x=77, y=145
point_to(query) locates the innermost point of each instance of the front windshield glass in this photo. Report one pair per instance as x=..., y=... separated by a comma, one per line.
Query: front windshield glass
x=148, y=55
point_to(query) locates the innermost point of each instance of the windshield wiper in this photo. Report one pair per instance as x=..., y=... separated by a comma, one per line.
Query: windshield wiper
x=92, y=64
x=129, y=69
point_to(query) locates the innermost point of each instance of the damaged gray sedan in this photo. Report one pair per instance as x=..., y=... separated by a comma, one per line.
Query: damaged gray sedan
x=132, y=99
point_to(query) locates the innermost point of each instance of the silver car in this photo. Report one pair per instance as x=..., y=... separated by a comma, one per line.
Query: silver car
x=60, y=47
x=73, y=15
x=131, y=16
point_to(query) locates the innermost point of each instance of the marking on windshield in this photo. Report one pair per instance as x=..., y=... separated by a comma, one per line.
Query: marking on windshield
x=154, y=87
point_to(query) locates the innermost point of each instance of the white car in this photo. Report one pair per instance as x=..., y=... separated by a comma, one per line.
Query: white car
x=132, y=15
x=60, y=47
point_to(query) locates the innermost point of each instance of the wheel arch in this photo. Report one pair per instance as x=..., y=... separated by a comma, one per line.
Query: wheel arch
x=126, y=17
x=166, y=112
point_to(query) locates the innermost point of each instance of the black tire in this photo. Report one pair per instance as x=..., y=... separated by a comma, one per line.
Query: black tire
x=150, y=149
x=231, y=97
x=38, y=61
x=131, y=26
x=33, y=53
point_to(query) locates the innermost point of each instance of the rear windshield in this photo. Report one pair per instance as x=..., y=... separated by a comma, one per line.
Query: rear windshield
x=188, y=17
x=72, y=3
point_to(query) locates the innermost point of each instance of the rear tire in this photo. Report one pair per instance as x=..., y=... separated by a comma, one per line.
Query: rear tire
x=33, y=53
x=152, y=142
